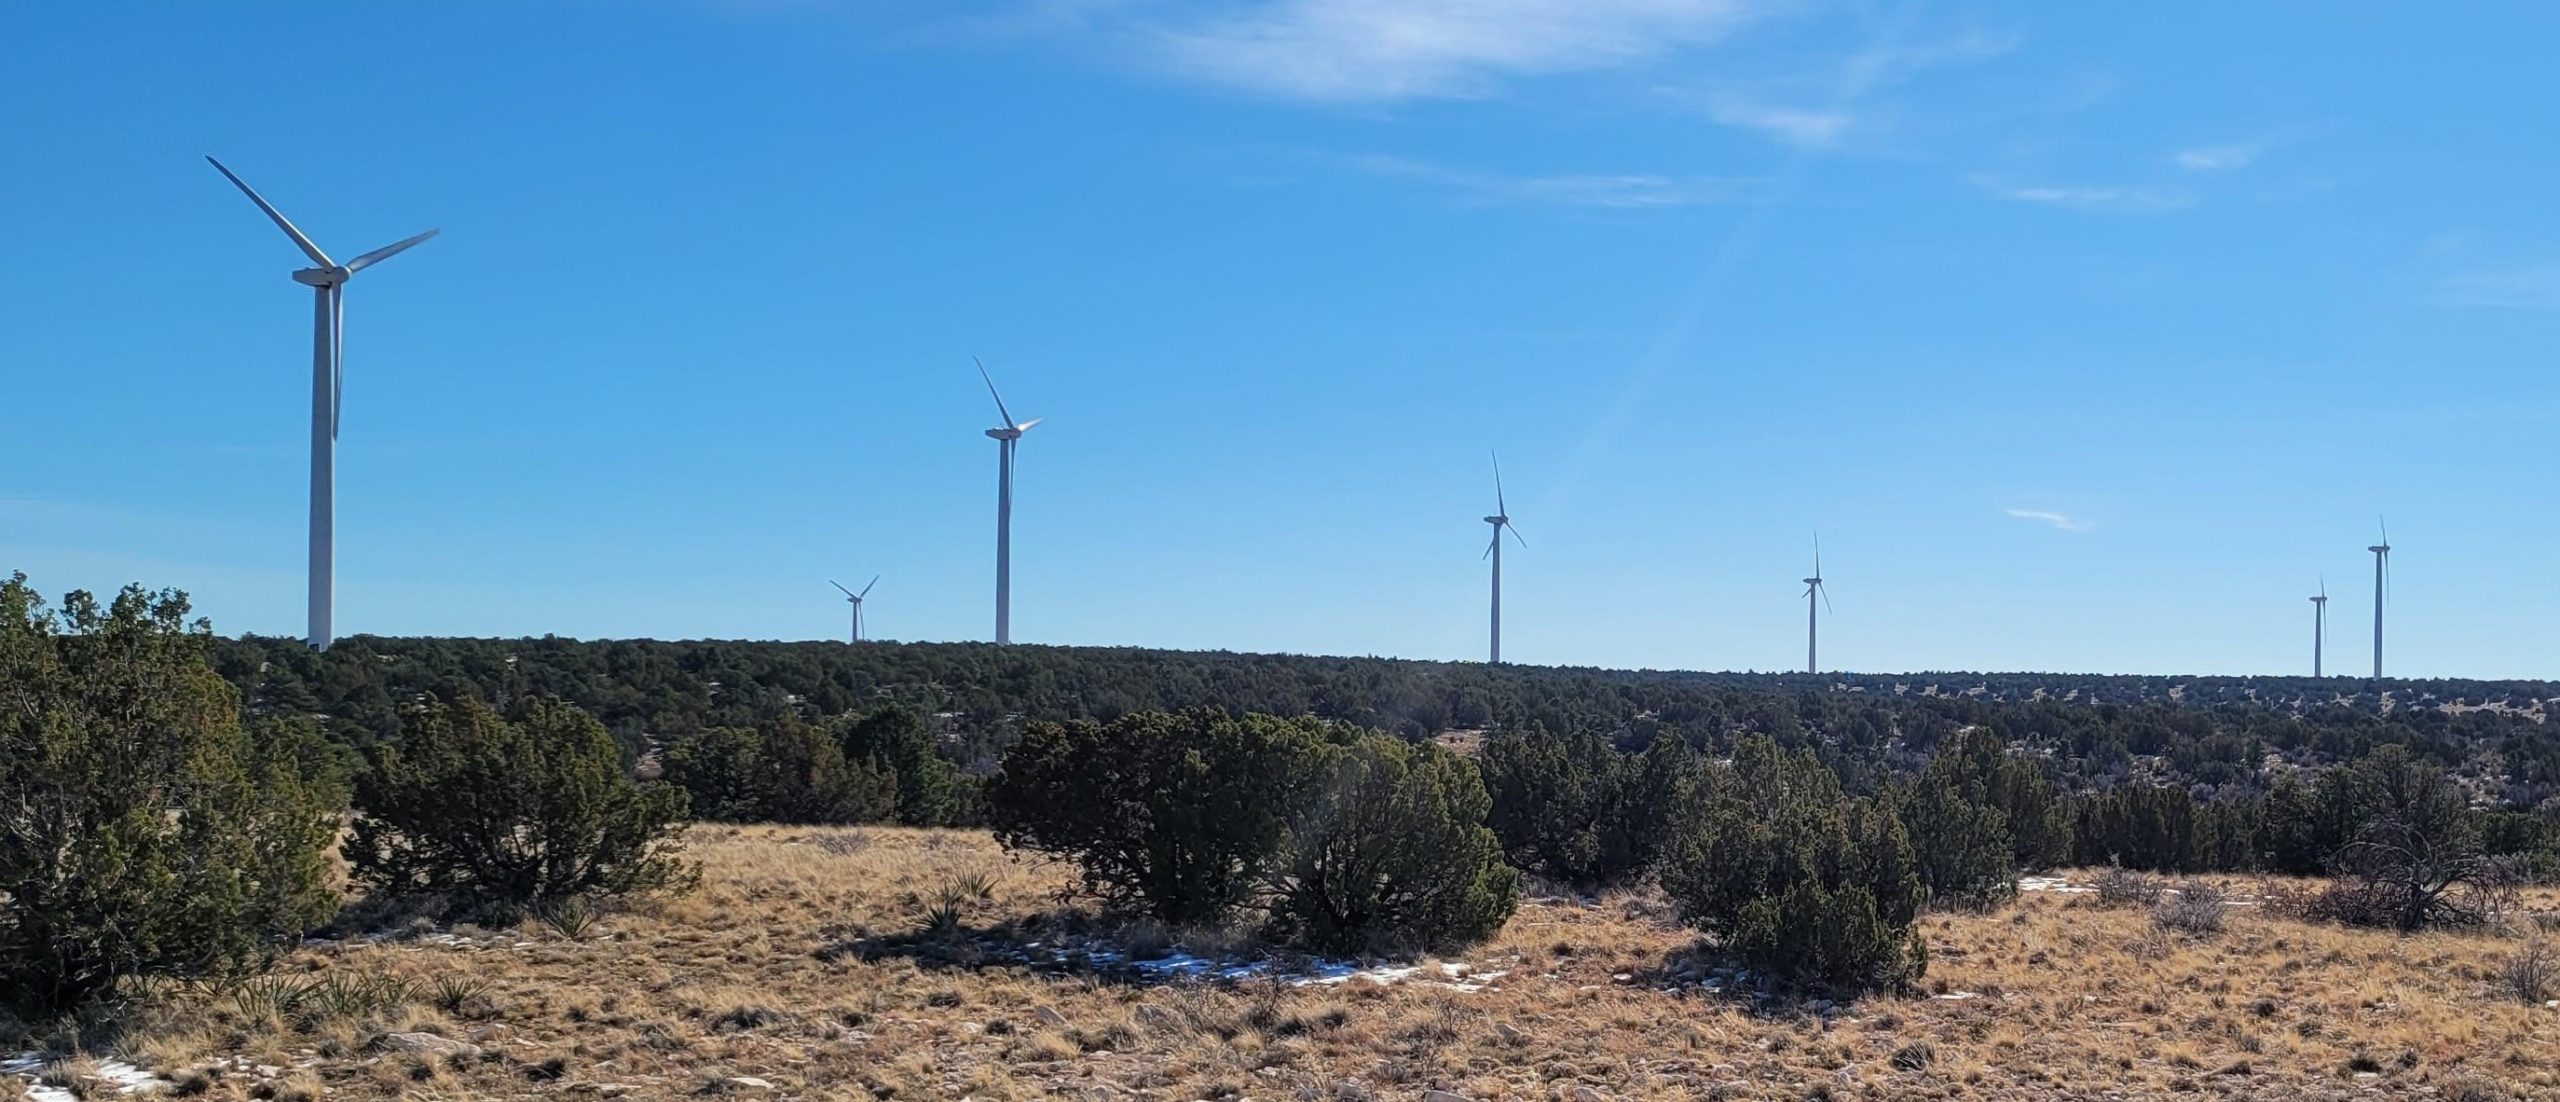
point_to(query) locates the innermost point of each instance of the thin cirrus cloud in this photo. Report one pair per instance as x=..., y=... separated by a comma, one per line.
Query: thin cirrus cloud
x=1375, y=50
x=1629, y=191
x=2217, y=158
x=2108, y=199
x=1801, y=127
x=2059, y=521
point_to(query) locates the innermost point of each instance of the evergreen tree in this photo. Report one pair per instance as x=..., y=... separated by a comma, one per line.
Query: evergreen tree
x=143, y=832
x=1576, y=809
x=1767, y=861
x=1183, y=817
x=499, y=815
x=931, y=791
x=1390, y=851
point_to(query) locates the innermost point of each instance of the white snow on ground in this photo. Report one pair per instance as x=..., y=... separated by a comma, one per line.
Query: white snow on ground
x=2060, y=886
x=1179, y=965
x=2052, y=884
x=124, y=1077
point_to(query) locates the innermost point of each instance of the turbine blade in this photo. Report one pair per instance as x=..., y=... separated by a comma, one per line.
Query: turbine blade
x=308, y=249
x=866, y=588
x=1826, y=596
x=840, y=587
x=1026, y=426
x=1515, y=533
x=1500, y=508
x=1488, y=548
x=991, y=392
x=386, y=252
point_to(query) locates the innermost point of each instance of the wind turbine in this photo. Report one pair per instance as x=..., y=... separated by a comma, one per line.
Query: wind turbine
x=856, y=598
x=327, y=280
x=2381, y=569
x=1006, y=435
x=1812, y=588
x=1501, y=522
x=2319, y=624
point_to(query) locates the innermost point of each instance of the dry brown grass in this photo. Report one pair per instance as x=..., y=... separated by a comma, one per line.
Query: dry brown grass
x=796, y=964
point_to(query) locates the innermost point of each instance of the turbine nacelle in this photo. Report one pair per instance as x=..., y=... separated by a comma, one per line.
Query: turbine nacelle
x=321, y=277
x=1497, y=521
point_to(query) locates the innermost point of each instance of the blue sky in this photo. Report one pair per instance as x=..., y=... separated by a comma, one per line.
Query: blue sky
x=2088, y=337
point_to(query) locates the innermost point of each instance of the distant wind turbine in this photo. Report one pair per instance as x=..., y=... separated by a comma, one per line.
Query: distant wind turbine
x=2381, y=570
x=2319, y=625
x=1812, y=589
x=1006, y=435
x=1501, y=522
x=327, y=280
x=856, y=599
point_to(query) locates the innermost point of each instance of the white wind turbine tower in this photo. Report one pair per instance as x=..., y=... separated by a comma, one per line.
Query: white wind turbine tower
x=856, y=599
x=2381, y=569
x=327, y=280
x=1006, y=435
x=1501, y=522
x=2319, y=625
x=1812, y=589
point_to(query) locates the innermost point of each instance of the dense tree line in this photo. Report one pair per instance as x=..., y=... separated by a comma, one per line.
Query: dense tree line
x=2219, y=736
x=149, y=828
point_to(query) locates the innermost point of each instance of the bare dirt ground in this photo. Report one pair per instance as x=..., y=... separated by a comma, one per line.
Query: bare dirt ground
x=801, y=969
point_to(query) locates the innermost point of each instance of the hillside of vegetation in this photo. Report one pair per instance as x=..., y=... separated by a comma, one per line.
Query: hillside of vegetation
x=807, y=966
x=1210, y=876
x=2215, y=734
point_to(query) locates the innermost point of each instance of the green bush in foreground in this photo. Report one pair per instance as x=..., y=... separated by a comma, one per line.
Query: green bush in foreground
x=143, y=832
x=1794, y=876
x=1182, y=817
x=793, y=773
x=500, y=816
x=1389, y=851
x=1575, y=809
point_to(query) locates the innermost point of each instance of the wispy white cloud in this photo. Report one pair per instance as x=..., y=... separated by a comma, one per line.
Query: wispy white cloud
x=2062, y=521
x=2216, y=158
x=1776, y=107
x=1796, y=126
x=1371, y=50
x=2533, y=287
x=1620, y=190
x=2110, y=199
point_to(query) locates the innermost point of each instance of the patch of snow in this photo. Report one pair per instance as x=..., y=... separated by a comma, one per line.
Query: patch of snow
x=124, y=1077
x=2053, y=884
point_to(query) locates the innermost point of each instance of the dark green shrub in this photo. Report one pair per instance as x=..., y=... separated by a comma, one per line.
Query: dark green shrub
x=143, y=833
x=1576, y=809
x=1183, y=817
x=502, y=816
x=1795, y=877
x=930, y=790
x=1389, y=851
x=1977, y=815
x=792, y=773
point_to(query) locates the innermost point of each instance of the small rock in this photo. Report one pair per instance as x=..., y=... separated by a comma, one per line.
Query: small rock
x=490, y=1034
x=1585, y=1092
x=748, y=1083
x=1444, y=1096
x=1049, y=1015
x=1510, y=1032
x=1352, y=1090
x=429, y=1044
